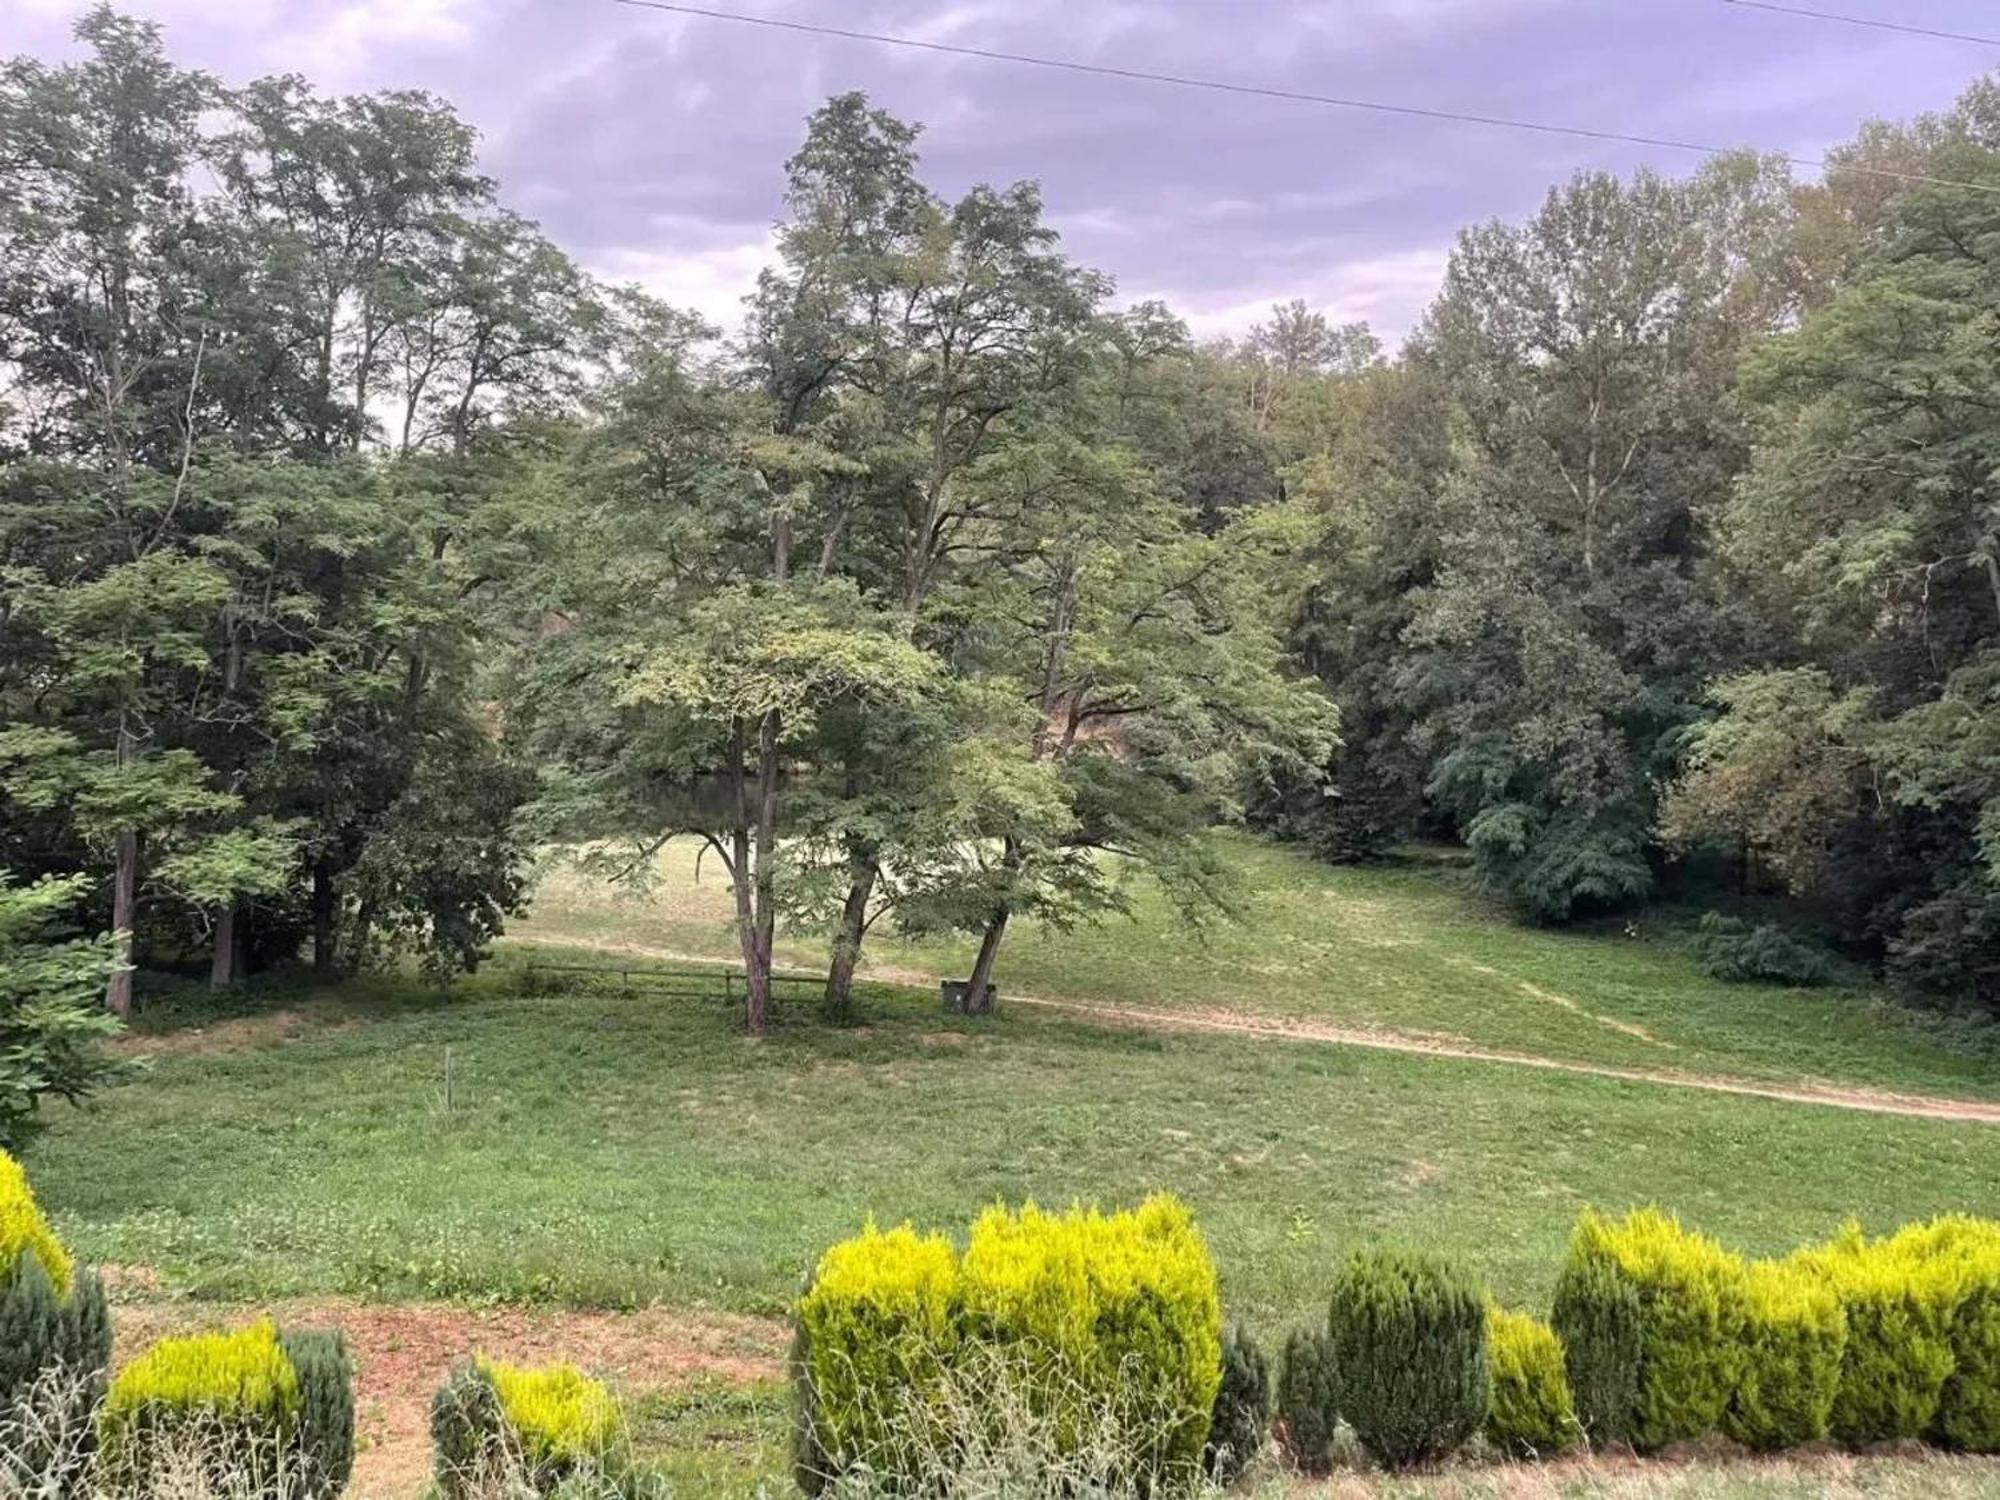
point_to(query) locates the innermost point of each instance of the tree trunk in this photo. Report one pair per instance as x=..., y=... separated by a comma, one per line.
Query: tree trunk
x=862, y=870
x=323, y=917
x=124, y=917
x=223, y=969
x=979, y=991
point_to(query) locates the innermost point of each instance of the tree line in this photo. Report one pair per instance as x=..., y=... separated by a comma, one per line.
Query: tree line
x=355, y=544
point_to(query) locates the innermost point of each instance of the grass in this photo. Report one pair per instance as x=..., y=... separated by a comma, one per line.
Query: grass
x=1400, y=947
x=603, y=1150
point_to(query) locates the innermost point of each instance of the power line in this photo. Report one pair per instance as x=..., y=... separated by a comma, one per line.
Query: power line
x=1868, y=21
x=1266, y=91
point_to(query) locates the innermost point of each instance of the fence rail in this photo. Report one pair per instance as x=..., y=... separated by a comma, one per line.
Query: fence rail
x=726, y=985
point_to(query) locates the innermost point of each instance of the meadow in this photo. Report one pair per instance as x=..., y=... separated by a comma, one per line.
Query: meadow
x=530, y=1139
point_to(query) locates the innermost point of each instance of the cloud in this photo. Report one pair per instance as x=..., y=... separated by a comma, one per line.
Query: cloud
x=713, y=281
x=1388, y=292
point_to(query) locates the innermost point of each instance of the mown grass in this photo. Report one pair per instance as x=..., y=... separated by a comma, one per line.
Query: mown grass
x=1400, y=947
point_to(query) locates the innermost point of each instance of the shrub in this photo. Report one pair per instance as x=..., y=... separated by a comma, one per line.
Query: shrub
x=1691, y=1295
x=326, y=1408
x=1794, y=1338
x=537, y=1429
x=52, y=1016
x=1242, y=1411
x=876, y=1328
x=52, y=1313
x=1118, y=1311
x=1529, y=1412
x=1596, y=1319
x=1899, y=1305
x=1409, y=1350
x=1968, y=1414
x=1734, y=951
x=1308, y=1401
x=233, y=1397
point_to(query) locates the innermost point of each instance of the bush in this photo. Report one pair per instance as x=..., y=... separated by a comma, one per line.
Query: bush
x=1968, y=1414
x=876, y=1329
x=1794, y=1338
x=1899, y=1305
x=233, y=1398
x=1596, y=1319
x=1734, y=951
x=1691, y=1298
x=1117, y=1311
x=1529, y=1412
x=538, y=1430
x=1308, y=1401
x=52, y=1017
x=326, y=1409
x=52, y=1313
x=1242, y=1410
x=1409, y=1348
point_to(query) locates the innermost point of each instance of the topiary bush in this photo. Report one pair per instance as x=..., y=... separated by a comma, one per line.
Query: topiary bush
x=498, y=1427
x=53, y=1314
x=1529, y=1412
x=1736, y=952
x=1794, y=1338
x=1899, y=1305
x=1242, y=1412
x=1409, y=1349
x=1308, y=1401
x=325, y=1441
x=227, y=1403
x=1691, y=1299
x=876, y=1331
x=1596, y=1319
x=1114, y=1318
x=1968, y=1415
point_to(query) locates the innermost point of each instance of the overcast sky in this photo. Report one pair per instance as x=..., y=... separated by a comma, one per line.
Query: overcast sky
x=650, y=144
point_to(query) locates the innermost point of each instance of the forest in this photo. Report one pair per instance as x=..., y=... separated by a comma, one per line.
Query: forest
x=357, y=545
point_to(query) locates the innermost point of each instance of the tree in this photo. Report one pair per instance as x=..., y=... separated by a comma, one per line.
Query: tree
x=51, y=1021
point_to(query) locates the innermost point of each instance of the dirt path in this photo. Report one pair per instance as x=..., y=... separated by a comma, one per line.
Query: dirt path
x=1154, y=1018
x=403, y=1351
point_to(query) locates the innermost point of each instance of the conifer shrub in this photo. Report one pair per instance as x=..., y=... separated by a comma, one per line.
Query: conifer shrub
x=1968, y=1250
x=1242, y=1413
x=1408, y=1333
x=1529, y=1412
x=1899, y=1305
x=1115, y=1313
x=1794, y=1339
x=325, y=1375
x=1596, y=1319
x=52, y=1312
x=1691, y=1300
x=876, y=1331
x=1738, y=952
x=1308, y=1401
x=536, y=1429
x=233, y=1398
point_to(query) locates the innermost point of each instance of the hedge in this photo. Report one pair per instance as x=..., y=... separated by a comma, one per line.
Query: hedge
x=1899, y=1304
x=1095, y=1317
x=1691, y=1297
x=496, y=1425
x=1242, y=1412
x=1308, y=1401
x=1596, y=1318
x=53, y=1317
x=1794, y=1340
x=1529, y=1412
x=1408, y=1333
x=230, y=1400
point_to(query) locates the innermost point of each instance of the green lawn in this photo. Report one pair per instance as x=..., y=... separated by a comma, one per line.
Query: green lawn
x=1400, y=947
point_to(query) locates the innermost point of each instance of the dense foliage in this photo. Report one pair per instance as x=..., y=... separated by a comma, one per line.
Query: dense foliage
x=1530, y=1413
x=52, y=1020
x=1408, y=1337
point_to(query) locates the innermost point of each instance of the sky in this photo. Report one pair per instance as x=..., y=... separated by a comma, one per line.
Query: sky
x=651, y=145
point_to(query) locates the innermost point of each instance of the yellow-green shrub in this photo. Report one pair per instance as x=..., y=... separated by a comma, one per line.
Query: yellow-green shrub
x=232, y=1399
x=876, y=1329
x=1691, y=1312
x=559, y=1415
x=1529, y=1413
x=23, y=1230
x=1899, y=1303
x=1112, y=1312
x=1794, y=1337
x=1968, y=1414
